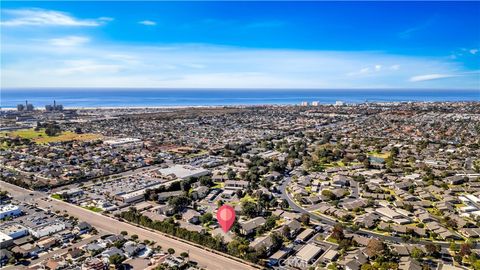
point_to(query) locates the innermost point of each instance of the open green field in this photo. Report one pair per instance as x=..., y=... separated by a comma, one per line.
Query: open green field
x=40, y=137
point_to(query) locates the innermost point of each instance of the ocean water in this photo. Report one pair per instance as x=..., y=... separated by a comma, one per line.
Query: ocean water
x=214, y=97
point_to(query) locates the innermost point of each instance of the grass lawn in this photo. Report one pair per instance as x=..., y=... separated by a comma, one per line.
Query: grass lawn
x=219, y=185
x=93, y=208
x=201, y=152
x=378, y=154
x=40, y=137
x=248, y=198
x=458, y=205
x=434, y=211
x=56, y=196
x=334, y=164
x=391, y=191
x=381, y=232
x=331, y=240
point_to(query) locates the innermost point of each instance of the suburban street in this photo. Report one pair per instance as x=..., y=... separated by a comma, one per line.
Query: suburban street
x=205, y=258
x=331, y=221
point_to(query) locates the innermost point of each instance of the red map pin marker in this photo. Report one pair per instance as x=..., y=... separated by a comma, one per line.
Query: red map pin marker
x=226, y=217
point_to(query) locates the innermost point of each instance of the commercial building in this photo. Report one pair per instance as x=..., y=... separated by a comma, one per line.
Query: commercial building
x=124, y=142
x=9, y=210
x=47, y=229
x=72, y=193
x=14, y=230
x=183, y=171
x=5, y=240
x=134, y=196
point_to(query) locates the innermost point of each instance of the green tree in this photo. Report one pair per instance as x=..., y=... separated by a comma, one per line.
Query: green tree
x=417, y=253
x=367, y=266
x=284, y=204
x=179, y=202
x=250, y=209
x=465, y=250
x=337, y=232
x=116, y=259
x=206, y=181
x=305, y=219
x=205, y=218
x=329, y=194
x=286, y=231
x=453, y=246
x=432, y=249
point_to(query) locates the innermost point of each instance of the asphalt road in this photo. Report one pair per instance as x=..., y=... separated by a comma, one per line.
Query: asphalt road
x=331, y=221
x=204, y=258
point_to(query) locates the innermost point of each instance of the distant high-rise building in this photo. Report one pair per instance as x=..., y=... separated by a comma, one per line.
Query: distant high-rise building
x=339, y=103
x=30, y=107
x=315, y=103
x=20, y=107
x=304, y=103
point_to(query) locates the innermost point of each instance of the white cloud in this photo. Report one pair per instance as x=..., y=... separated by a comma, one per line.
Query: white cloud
x=42, y=17
x=430, y=77
x=70, y=41
x=369, y=70
x=72, y=67
x=473, y=51
x=197, y=66
x=395, y=67
x=31, y=64
x=364, y=70
x=106, y=19
x=148, y=23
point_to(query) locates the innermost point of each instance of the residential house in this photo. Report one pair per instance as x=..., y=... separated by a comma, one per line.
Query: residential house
x=250, y=226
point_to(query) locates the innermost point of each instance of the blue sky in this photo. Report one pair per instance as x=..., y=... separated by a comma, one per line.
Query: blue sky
x=241, y=44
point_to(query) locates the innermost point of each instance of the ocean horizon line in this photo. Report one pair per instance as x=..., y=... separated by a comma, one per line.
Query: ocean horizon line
x=9, y=89
x=139, y=97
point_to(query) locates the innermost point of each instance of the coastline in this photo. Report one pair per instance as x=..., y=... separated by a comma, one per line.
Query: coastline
x=173, y=107
x=173, y=99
